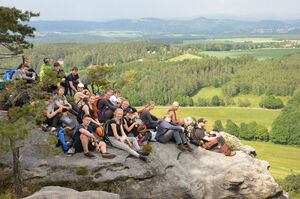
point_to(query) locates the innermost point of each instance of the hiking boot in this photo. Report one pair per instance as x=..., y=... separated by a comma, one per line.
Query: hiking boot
x=144, y=153
x=90, y=155
x=53, y=131
x=232, y=153
x=44, y=127
x=181, y=147
x=143, y=158
x=108, y=155
x=71, y=151
x=188, y=147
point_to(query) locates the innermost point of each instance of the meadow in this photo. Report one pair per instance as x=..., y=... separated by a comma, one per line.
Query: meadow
x=227, y=40
x=258, y=53
x=211, y=114
x=209, y=92
x=284, y=159
x=183, y=57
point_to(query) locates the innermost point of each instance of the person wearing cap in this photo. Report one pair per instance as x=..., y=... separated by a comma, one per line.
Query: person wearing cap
x=46, y=66
x=80, y=95
x=131, y=126
x=201, y=137
x=172, y=111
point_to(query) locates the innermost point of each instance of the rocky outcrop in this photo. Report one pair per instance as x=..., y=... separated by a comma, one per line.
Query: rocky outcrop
x=168, y=173
x=55, y=192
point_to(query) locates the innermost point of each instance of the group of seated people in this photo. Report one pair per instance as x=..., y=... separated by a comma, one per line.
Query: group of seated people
x=119, y=118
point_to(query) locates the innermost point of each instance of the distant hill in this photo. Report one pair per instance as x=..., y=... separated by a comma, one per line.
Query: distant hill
x=195, y=26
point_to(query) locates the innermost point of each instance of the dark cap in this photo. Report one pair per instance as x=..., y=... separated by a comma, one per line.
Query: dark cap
x=202, y=120
x=215, y=130
x=128, y=110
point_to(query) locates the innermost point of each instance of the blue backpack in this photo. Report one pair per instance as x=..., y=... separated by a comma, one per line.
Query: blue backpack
x=65, y=137
x=8, y=74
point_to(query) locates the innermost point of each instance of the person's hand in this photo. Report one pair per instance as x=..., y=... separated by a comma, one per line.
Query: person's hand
x=182, y=129
x=136, y=123
x=129, y=144
x=98, y=147
x=93, y=138
x=60, y=109
x=33, y=78
x=63, y=79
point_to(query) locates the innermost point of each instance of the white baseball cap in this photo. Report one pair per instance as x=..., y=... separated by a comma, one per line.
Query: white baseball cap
x=81, y=85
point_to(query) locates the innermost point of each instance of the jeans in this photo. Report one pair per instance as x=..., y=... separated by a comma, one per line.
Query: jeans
x=173, y=135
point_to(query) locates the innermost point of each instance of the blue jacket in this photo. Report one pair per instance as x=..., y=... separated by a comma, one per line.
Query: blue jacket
x=164, y=126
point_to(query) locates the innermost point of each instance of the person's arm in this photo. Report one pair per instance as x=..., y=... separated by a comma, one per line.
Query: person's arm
x=173, y=119
x=67, y=103
x=53, y=113
x=149, y=118
x=72, y=86
x=206, y=138
x=113, y=108
x=87, y=133
x=62, y=106
x=129, y=128
x=124, y=134
x=79, y=81
x=167, y=125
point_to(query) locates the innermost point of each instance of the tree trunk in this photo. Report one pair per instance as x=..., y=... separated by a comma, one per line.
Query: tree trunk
x=17, y=172
x=93, y=90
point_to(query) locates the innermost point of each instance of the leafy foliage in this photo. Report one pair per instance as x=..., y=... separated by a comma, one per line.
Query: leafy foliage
x=232, y=128
x=218, y=125
x=13, y=32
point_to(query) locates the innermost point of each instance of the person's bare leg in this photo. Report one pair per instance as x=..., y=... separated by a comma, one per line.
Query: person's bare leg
x=84, y=141
x=102, y=147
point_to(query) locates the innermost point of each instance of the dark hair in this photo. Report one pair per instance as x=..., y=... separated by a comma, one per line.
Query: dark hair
x=85, y=116
x=56, y=64
x=116, y=91
x=25, y=66
x=75, y=68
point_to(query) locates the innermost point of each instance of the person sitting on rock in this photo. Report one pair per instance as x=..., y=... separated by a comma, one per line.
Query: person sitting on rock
x=24, y=74
x=60, y=101
x=80, y=95
x=89, y=108
x=115, y=99
x=148, y=119
x=85, y=141
x=45, y=67
x=167, y=131
x=105, y=107
x=119, y=139
x=172, y=111
x=52, y=116
x=201, y=137
x=130, y=125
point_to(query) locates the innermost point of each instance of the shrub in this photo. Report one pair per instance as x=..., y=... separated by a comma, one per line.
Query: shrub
x=215, y=101
x=271, y=102
x=232, y=128
x=218, y=125
x=202, y=102
x=243, y=103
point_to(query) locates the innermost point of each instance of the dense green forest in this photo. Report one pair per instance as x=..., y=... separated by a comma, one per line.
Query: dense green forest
x=165, y=81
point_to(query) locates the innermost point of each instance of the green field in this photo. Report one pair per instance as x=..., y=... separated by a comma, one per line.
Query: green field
x=237, y=115
x=183, y=57
x=259, y=53
x=249, y=39
x=283, y=159
x=209, y=92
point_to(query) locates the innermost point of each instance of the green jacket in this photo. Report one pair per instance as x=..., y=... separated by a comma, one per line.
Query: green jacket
x=44, y=68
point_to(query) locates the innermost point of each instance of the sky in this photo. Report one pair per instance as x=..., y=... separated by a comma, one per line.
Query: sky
x=102, y=10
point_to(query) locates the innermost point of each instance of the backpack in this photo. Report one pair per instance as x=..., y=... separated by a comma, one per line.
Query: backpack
x=105, y=132
x=97, y=100
x=80, y=114
x=8, y=74
x=100, y=113
x=66, y=137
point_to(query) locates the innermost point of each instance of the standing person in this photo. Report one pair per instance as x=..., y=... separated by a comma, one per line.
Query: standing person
x=85, y=141
x=60, y=101
x=167, y=131
x=73, y=80
x=210, y=140
x=118, y=138
x=46, y=66
x=60, y=74
x=172, y=111
x=148, y=119
x=115, y=99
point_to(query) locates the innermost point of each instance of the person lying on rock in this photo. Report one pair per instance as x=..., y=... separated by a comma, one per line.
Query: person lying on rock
x=85, y=141
x=119, y=139
x=167, y=131
x=208, y=140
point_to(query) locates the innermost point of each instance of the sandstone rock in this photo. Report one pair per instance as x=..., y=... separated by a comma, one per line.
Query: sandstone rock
x=168, y=173
x=55, y=192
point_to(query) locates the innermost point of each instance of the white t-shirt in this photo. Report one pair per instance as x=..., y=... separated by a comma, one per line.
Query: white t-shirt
x=114, y=100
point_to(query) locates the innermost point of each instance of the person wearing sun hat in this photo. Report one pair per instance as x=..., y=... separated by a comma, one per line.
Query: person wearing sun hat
x=201, y=137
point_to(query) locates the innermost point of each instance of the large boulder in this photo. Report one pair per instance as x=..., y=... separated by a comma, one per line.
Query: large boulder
x=56, y=192
x=168, y=173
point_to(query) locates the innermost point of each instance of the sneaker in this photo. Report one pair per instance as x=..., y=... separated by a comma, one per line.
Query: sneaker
x=108, y=155
x=140, y=143
x=53, y=131
x=90, y=155
x=71, y=151
x=144, y=153
x=181, y=147
x=143, y=158
x=232, y=153
x=188, y=147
